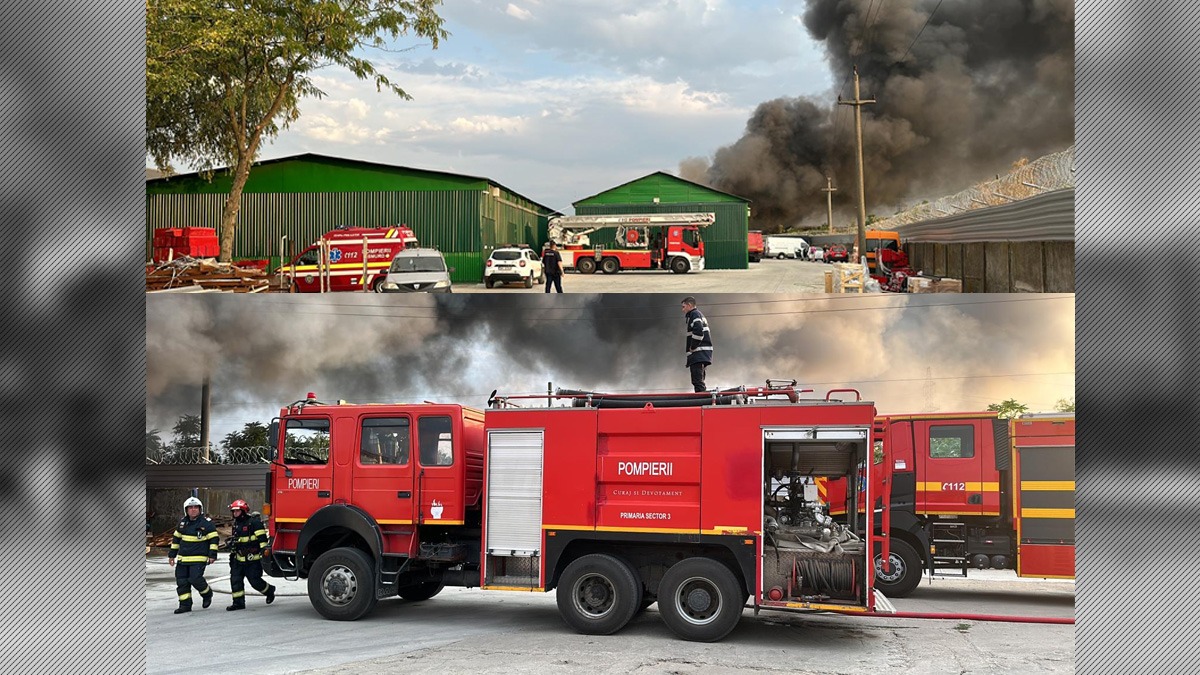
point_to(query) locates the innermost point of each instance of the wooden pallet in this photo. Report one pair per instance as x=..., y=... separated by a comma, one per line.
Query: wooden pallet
x=204, y=274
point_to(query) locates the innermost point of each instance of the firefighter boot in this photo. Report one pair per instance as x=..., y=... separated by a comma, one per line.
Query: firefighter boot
x=183, y=608
x=236, y=605
x=207, y=599
x=270, y=594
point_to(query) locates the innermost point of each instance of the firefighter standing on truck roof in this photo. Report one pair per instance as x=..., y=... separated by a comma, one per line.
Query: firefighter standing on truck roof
x=699, y=342
x=195, y=545
x=247, y=546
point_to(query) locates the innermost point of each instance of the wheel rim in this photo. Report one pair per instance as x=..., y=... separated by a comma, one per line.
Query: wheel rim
x=698, y=601
x=339, y=585
x=897, y=572
x=594, y=596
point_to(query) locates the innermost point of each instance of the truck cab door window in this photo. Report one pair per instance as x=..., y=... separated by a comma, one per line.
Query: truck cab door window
x=385, y=440
x=436, y=442
x=307, y=441
x=309, y=257
x=951, y=441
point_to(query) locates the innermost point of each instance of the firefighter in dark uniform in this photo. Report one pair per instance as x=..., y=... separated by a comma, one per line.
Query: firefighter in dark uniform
x=247, y=546
x=193, y=547
x=699, y=342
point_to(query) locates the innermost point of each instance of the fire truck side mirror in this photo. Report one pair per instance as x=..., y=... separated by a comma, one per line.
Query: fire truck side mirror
x=273, y=434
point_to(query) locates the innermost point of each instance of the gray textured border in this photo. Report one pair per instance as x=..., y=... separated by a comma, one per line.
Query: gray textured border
x=73, y=359
x=1136, y=469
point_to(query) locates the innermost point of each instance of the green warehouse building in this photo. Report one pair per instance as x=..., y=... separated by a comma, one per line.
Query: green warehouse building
x=304, y=196
x=725, y=244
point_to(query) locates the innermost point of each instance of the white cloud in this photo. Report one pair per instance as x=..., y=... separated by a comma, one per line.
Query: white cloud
x=518, y=13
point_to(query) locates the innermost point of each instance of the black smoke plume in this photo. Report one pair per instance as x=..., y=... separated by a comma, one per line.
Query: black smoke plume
x=984, y=85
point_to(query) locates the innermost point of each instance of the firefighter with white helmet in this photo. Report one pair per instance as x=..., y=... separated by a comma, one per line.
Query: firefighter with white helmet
x=193, y=547
x=247, y=546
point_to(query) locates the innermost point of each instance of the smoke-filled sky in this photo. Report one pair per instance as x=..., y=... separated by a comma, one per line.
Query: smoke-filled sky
x=961, y=93
x=562, y=99
x=907, y=353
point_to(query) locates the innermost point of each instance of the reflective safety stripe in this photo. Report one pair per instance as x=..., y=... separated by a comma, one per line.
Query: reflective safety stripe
x=258, y=532
x=205, y=591
x=174, y=546
x=192, y=558
x=249, y=558
x=212, y=535
x=185, y=596
x=193, y=539
x=243, y=540
x=1047, y=513
x=239, y=594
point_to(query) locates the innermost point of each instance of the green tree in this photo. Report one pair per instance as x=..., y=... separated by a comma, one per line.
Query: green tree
x=1008, y=409
x=222, y=77
x=252, y=436
x=187, y=432
x=1065, y=405
x=155, y=447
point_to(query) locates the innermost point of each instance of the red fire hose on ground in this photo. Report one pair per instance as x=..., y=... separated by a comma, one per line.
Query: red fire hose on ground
x=978, y=617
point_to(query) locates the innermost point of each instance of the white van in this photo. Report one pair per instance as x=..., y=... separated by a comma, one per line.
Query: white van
x=785, y=247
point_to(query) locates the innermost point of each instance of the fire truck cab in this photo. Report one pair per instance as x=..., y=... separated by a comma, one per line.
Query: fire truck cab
x=970, y=490
x=655, y=241
x=705, y=503
x=336, y=261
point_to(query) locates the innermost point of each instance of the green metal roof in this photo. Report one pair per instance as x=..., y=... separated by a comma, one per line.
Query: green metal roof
x=667, y=188
x=311, y=172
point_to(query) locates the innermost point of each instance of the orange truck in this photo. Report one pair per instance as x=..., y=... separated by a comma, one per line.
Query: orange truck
x=755, y=245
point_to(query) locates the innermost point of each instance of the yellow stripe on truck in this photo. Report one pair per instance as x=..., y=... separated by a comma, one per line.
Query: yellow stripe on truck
x=1048, y=485
x=967, y=487
x=1047, y=513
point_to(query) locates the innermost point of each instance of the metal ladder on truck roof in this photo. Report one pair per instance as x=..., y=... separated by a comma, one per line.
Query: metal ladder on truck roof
x=947, y=548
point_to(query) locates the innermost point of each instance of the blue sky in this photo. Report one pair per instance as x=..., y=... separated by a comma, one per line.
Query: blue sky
x=560, y=99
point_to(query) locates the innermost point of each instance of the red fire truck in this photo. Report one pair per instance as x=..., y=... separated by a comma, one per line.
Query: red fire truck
x=348, y=258
x=701, y=502
x=644, y=241
x=971, y=490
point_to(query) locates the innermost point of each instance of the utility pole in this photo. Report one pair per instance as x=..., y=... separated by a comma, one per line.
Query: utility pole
x=829, y=190
x=858, y=103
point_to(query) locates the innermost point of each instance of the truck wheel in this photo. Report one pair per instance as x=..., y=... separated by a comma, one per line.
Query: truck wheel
x=610, y=265
x=598, y=594
x=700, y=600
x=906, y=570
x=585, y=265
x=377, y=284
x=781, y=256
x=418, y=592
x=529, y=281
x=341, y=584
x=680, y=265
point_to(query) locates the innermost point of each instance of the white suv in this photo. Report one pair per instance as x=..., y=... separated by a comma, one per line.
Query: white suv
x=513, y=263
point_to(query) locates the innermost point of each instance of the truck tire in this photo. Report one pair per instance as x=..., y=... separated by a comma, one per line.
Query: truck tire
x=377, y=284
x=585, y=265
x=781, y=256
x=906, y=570
x=341, y=584
x=419, y=592
x=680, y=265
x=598, y=594
x=700, y=600
x=610, y=265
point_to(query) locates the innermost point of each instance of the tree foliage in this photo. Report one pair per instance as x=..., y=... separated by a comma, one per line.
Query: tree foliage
x=1065, y=405
x=222, y=77
x=187, y=432
x=1008, y=409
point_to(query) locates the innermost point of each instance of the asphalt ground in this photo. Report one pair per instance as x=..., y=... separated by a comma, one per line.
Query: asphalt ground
x=767, y=276
x=468, y=630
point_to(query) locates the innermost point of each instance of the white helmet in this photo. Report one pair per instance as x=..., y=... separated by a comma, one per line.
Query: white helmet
x=192, y=501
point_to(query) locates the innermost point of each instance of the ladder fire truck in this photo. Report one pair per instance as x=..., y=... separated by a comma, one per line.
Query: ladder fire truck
x=348, y=259
x=970, y=490
x=644, y=241
x=704, y=503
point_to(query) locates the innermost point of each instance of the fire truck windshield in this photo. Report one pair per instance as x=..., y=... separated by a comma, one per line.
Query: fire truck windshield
x=307, y=441
x=691, y=236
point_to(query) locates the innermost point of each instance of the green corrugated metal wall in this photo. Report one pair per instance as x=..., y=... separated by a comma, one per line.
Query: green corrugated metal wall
x=725, y=241
x=305, y=197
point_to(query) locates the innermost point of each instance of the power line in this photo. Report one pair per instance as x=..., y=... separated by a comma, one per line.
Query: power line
x=914, y=42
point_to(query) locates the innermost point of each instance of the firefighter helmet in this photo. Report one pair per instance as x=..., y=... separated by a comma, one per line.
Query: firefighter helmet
x=192, y=501
x=240, y=504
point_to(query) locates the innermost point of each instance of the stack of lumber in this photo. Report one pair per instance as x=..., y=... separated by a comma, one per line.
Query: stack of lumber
x=204, y=274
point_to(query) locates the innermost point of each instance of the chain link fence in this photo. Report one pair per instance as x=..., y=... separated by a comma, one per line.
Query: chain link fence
x=260, y=454
x=1046, y=174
